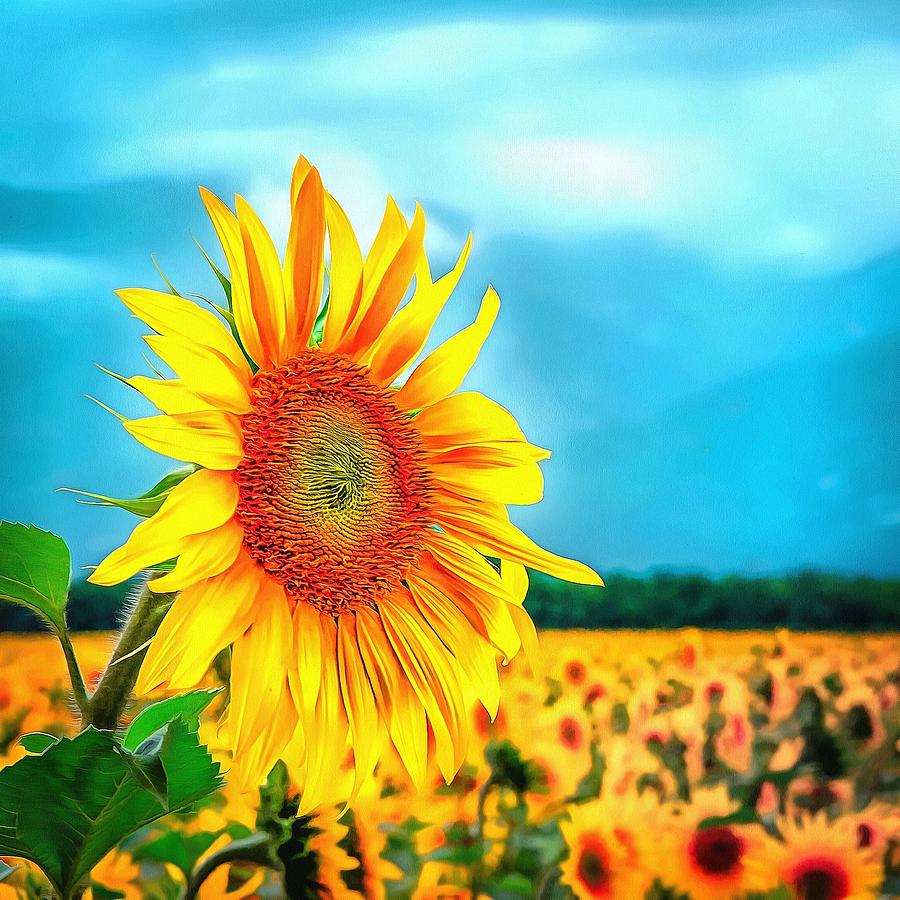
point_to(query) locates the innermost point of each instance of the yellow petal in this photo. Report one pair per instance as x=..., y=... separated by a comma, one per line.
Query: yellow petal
x=203, y=371
x=405, y=334
x=359, y=701
x=175, y=316
x=327, y=731
x=208, y=437
x=381, y=299
x=434, y=676
x=461, y=420
x=304, y=261
x=204, y=500
x=298, y=176
x=391, y=232
x=346, y=284
x=202, y=556
x=168, y=396
x=515, y=578
x=264, y=283
x=203, y=619
x=393, y=694
x=305, y=672
x=487, y=528
x=476, y=657
x=443, y=371
x=259, y=666
x=528, y=634
x=252, y=766
x=465, y=575
x=521, y=484
x=491, y=454
x=229, y=232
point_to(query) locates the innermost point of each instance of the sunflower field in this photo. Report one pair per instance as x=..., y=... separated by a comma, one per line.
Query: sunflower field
x=653, y=764
x=317, y=689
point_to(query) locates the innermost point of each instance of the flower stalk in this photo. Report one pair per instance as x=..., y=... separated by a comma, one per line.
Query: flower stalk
x=106, y=706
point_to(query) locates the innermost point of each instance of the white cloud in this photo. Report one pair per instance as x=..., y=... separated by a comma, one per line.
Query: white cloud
x=554, y=125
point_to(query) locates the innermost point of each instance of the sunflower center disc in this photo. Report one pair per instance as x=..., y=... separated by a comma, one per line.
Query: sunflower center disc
x=593, y=869
x=333, y=493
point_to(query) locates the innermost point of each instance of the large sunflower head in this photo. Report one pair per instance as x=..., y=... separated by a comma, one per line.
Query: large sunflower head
x=343, y=522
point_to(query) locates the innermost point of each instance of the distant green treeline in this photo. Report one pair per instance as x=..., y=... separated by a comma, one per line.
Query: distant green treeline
x=803, y=601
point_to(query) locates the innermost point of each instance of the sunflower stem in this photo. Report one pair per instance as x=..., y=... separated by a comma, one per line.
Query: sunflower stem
x=111, y=697
x=255, y=848
x=79, y=691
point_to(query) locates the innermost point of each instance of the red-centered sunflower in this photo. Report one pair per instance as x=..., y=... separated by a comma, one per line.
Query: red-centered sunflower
x=818, y=858
x=707, y=862
x=338, y=527
x=608, y=856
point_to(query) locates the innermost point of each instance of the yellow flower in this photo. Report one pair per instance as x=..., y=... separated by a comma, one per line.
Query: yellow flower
x=118, y=872
x=337, y=530
x=709, y=863
x=607, y=855
x=817, y=858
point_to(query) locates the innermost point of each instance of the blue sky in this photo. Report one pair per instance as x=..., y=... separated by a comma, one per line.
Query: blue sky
x=692, y=219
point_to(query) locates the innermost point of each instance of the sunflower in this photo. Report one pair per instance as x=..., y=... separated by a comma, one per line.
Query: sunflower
x=340, y=529
x=607, y=855
x=707, y=862
x=818, y=859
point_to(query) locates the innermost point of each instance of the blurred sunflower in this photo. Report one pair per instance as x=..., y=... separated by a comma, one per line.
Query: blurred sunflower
x=337, y=528
x=607, y=857
x=818, y=858
x=707, y=862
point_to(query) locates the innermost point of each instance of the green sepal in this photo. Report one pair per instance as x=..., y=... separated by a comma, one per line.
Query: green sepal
x=148, y=503
x=169, y=285
x=318, y=331
x=226, y=284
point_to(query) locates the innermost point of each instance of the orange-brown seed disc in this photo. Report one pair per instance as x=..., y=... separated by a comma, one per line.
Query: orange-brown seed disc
x=333, y=492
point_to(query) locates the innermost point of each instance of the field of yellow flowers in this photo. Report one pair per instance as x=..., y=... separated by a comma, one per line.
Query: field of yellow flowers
x=651, y=764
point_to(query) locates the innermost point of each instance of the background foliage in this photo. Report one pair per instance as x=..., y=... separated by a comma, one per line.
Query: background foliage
x=805, y=601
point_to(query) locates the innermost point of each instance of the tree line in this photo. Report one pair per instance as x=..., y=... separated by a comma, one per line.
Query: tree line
x=803, y=601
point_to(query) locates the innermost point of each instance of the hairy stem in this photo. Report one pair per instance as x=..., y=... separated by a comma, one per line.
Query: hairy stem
x=79, y=691
x=255, y=848
x=111, y=697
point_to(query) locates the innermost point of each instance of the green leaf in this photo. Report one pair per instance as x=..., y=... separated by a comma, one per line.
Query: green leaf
x=101, y=892
x=37, y=741
x=94, y=794
x=34, y=571
x=178, y=848
x=147, y=504
x=746, y=815
x=185, y=706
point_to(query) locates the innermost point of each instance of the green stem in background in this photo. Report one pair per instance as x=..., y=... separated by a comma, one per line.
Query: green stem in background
x=108, y=703
x=79, y=691
x=478, y=868
x=255, y=848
